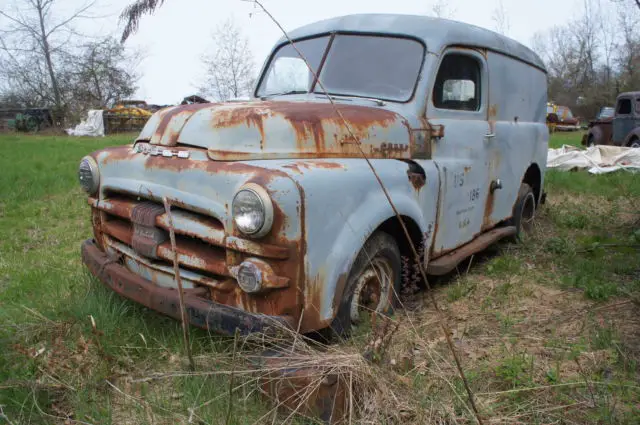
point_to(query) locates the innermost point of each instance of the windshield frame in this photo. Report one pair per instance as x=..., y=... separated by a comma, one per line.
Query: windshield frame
x=332, y=35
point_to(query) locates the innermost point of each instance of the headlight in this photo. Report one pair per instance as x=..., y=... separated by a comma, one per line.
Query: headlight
x=88, y=175
x=249, y=277
x=252, y=210
x=254, y=275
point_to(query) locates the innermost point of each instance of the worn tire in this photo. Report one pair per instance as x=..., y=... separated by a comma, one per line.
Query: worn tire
x=380, y=252
x=524, y=212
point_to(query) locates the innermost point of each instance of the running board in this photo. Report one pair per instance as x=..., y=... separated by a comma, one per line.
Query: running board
x=443, y=265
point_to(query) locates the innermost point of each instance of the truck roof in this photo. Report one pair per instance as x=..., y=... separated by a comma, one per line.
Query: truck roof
x=436, y=33
x=629, y=94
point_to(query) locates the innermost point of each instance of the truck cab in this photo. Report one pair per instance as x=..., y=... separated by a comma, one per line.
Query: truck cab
x=621, y=129
x=277, y=203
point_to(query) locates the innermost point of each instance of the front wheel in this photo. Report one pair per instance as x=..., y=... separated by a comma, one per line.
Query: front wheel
x=373, y=284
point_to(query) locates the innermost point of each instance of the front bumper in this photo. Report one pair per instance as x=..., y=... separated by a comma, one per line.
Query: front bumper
x=202, y=313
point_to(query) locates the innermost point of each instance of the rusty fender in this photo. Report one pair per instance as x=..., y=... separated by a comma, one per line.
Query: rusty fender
x=202, y=190
x=343, y=206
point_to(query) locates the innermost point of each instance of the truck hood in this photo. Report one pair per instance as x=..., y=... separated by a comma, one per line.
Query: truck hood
x=277, y=129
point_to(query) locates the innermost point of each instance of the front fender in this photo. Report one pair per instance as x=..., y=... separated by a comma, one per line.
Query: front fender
x=343, y=206
x=635, y=133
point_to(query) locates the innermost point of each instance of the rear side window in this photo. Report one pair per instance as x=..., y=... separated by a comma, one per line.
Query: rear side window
x=457, y=85
x=624, y=106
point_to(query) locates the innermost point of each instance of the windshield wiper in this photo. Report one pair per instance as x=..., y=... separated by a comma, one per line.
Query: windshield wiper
x=378, y=102
x=283, y=93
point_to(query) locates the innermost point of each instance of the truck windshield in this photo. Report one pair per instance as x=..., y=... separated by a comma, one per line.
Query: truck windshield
x=606, y=112
x=369, y=66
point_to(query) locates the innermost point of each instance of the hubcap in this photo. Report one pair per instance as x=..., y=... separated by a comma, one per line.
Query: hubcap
x=528, y=212
x=373, y=290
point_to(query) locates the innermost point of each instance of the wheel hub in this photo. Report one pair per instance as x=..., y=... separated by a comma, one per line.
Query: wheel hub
x=373, y=289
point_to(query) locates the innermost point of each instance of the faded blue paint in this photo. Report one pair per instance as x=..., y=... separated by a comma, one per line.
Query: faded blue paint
x=294, y=147
x=344, y=206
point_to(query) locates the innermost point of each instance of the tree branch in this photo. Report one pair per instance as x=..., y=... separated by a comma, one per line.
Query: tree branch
x=76, y=15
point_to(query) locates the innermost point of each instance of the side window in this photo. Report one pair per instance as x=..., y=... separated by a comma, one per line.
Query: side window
x=457, y=84
x=624, y=107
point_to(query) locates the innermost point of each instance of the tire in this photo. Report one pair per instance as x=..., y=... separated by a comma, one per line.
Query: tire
x=524, y=212
x=380, y=256
x=591, y=141
x=635, y=143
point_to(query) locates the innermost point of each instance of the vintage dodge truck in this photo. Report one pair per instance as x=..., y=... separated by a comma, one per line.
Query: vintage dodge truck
x=277, y=215
x=622, y=128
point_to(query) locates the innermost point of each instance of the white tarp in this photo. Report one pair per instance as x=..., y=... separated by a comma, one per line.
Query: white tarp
x=92, y=126
x=598, y=159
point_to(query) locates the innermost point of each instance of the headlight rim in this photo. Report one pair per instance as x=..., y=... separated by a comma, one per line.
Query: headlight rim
x=267, y=206
x=95, y=175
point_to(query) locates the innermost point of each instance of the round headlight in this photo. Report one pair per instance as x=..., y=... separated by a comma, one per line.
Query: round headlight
x=249, y=277
x=88, y=175
x=252, y=211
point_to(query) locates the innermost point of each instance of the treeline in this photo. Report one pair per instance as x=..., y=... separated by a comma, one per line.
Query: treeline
x=46, y=61
x=594, y=56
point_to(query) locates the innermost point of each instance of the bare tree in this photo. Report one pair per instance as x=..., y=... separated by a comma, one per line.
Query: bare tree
x=103, y=72
x=500, y=18
x=442, y=9
x=33, y=35
x=229, y=67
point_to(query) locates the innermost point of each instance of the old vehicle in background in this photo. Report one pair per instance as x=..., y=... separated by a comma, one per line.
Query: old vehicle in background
x=25, y=119
x=619, y=126
x=278, y=217
x=560, y=118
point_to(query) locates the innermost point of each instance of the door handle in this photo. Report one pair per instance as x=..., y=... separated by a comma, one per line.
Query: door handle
x=490, y=135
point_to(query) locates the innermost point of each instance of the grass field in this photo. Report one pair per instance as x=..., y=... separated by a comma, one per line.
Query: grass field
x=548, y=330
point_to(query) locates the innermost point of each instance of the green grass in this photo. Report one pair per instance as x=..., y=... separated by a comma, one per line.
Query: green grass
x=46, y=297
x=585, y=245
x=560, y=138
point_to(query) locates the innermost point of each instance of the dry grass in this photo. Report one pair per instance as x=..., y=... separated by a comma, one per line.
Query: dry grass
x=547, y=330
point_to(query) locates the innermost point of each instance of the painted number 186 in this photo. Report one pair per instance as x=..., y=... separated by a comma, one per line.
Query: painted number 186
x=474, y=194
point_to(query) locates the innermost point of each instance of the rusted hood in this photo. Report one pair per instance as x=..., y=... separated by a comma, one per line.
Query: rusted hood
x=273, y=129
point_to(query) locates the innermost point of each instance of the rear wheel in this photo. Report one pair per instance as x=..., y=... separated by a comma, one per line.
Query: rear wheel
x=372, y=286
x=635, y=143
x=524, y=211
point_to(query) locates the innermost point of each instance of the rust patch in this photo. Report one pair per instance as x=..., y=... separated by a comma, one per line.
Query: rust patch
x=488, y=211
x=308, y=120
x=298, y=166
x=417, y=180
x=290, y=388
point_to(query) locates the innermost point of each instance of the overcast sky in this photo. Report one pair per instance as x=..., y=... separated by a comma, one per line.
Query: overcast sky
x=175, y=38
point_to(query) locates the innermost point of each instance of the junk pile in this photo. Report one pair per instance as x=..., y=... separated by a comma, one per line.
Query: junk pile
x=126, y=116
x=597, y=159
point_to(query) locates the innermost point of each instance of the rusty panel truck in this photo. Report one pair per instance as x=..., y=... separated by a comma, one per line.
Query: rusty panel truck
x=278, y=217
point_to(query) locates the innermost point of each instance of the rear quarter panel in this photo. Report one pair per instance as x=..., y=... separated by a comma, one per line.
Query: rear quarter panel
x=517, y=114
